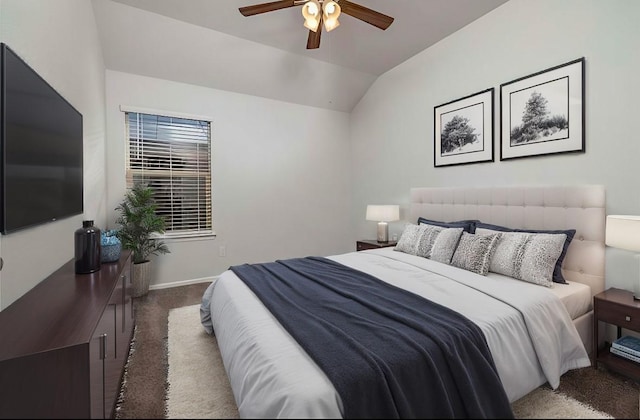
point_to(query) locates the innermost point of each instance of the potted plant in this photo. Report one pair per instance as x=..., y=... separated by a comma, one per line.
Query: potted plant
x=139, y=223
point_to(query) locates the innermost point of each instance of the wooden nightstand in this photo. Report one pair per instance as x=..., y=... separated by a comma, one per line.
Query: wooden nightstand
x=617, y=307
x=373, y=244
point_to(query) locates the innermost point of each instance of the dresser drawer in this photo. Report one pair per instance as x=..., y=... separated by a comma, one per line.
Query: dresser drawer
x=614, y=313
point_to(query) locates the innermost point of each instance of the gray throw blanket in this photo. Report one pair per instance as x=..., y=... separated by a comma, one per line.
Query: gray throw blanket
x=388, y=352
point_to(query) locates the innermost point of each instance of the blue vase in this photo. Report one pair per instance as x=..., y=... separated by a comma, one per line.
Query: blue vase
x=111, y=247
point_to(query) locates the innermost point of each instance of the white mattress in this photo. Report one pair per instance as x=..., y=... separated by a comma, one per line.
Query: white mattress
x=531, y=338
x=576, y=297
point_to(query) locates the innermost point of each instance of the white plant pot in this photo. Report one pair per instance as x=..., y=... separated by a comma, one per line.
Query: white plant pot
x=141, y=278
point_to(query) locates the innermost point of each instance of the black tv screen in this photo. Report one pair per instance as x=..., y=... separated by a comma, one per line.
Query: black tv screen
x=41, y=139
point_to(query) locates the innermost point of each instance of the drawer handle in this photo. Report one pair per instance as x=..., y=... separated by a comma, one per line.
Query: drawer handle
x=627, y=318
x=103, y=346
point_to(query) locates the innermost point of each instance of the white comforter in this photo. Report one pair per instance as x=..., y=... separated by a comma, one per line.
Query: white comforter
x=530, y=334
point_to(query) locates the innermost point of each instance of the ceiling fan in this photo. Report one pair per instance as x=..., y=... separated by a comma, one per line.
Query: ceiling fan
x=319, y=12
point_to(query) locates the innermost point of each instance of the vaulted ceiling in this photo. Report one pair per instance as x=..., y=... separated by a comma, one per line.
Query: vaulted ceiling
x=209, y=43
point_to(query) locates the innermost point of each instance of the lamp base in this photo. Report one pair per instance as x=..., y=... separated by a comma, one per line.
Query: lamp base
x=383, y=232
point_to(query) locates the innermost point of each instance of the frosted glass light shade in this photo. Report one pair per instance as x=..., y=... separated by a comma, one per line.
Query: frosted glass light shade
x=623, y=232
x=330, y=14
x=311, y=11
x=383, y=213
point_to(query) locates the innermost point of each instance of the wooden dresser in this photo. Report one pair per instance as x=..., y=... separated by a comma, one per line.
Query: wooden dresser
x=64, y=344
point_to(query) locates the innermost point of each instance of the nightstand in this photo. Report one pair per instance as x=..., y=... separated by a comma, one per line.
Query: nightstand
x=617, y=307
x=363, y=244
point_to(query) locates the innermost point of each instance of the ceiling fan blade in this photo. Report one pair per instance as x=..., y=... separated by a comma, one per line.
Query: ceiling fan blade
x=365, y=14
x=313, y=41
x=266, y=7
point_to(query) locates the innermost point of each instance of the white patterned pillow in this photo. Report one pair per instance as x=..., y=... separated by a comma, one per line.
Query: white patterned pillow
x=527, y=256
x=474, y=252
x=409, y=239
x=417, y=239
x=427, y=239
x=445, y=245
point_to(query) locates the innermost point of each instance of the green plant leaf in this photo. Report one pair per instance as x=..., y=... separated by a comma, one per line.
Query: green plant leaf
x=138, y=221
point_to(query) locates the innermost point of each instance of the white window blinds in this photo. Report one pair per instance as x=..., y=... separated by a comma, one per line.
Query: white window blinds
x=173, y=156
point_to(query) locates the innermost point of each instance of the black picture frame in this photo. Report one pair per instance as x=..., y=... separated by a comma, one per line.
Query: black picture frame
x=544, y=113
x=463, y=130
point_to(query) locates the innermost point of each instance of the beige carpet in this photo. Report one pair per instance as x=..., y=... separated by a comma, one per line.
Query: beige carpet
x=199, y=387
x=198, y=384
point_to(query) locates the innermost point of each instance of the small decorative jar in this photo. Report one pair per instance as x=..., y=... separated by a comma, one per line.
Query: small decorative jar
x=111, y=247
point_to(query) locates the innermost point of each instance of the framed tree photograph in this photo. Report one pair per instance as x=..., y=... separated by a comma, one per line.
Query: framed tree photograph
x=543, y=113
x=463, y=130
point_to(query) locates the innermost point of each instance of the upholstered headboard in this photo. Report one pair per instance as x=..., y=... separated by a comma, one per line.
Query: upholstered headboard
x=530, y=207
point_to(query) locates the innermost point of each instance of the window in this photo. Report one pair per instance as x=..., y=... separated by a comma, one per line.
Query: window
x=173, y=156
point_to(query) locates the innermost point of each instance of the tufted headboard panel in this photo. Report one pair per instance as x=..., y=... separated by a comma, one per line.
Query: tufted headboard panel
x=582, y=208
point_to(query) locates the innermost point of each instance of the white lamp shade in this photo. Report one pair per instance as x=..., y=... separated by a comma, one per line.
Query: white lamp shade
x=623, y=232
x=383, y=213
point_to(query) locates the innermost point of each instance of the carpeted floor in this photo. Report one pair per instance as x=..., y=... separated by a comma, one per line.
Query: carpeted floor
x=145, y=384
x=195, y=364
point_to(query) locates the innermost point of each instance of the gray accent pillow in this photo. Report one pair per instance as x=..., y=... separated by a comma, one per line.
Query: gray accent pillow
x=474, y=252
x=557, y=271
x=527, y=256
x=417, y=239
x=409, y=239
x=427, y=239
x=445, y=245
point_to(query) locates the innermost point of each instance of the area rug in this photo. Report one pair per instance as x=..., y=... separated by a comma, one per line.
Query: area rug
x=199, y=386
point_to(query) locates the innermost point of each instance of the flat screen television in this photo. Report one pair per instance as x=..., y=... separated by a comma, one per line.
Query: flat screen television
x=41, y=149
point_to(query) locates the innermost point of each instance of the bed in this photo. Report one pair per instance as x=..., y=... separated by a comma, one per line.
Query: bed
x=272, y=376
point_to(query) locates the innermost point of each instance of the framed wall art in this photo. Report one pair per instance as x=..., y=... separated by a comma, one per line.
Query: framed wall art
x=463, y=130
x=543, y=113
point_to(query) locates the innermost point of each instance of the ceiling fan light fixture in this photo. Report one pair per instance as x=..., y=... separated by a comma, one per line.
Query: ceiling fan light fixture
x=331, y=12
x=330, y=25
x=312, y=24
x=319, y=13
x=311, y=11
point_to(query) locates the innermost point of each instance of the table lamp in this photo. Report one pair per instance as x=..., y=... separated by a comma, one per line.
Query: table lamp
x=383, y=214
x=623, y=232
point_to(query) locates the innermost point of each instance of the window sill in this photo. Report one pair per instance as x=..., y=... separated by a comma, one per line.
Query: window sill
x=186, y=237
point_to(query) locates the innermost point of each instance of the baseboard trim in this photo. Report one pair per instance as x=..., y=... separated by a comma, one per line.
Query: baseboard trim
x=182, y=283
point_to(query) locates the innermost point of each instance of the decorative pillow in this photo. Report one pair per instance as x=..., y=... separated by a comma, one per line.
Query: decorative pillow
x=427, y=239
x=409, y=239
x=557, y=270
x=467, y=225
x=474, y=252
x=527, y=256
x=445, y=245
x=418, y=239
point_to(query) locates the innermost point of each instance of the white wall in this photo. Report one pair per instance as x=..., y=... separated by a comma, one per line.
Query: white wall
x=284, y=188
x=59, y=40
x=280, y=175
x=392, y=127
